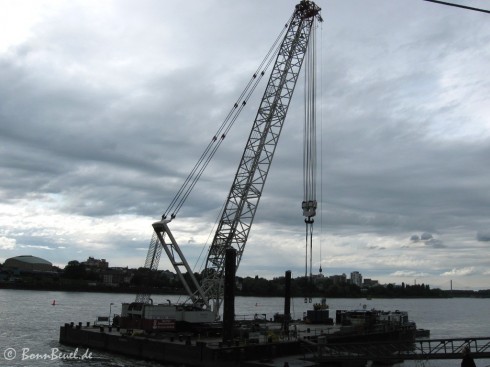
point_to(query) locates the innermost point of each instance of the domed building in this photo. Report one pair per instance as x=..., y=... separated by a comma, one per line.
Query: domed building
x=27, y=263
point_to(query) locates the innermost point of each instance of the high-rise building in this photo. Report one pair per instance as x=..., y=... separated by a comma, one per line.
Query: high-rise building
x=356, y=278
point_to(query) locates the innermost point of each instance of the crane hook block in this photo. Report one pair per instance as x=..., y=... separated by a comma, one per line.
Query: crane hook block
x=309, y=208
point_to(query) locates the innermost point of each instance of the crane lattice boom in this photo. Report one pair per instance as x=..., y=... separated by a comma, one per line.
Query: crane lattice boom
x=246, y=190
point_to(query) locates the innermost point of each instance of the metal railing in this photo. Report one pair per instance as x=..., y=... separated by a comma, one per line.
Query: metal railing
x=418, y=350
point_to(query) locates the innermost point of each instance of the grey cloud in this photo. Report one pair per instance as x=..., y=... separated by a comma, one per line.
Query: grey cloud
x=428, y=240
x=110, y=112
x=434, y=243
x=426, y=236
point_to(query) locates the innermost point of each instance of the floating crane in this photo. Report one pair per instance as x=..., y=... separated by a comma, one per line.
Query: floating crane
x=205, y=297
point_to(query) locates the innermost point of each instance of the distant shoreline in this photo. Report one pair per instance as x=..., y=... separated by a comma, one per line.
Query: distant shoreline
x=134, y=290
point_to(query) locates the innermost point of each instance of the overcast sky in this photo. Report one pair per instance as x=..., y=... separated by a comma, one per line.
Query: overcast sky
x=105, y=106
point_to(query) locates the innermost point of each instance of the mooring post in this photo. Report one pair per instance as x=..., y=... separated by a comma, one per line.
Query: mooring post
x=229, y=296
x=287, y=303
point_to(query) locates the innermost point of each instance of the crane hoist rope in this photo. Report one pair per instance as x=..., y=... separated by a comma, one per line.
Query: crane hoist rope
x=309, y=204
x=320, y=270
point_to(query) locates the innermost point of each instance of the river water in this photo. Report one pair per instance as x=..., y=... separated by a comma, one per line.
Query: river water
x=29, y=323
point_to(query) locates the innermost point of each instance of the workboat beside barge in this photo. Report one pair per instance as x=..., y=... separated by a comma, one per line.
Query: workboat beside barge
x=374, y=325
x=365, y=325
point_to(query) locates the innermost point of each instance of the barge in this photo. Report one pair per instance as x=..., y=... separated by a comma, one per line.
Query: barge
x=162, y=335
x=185, y=347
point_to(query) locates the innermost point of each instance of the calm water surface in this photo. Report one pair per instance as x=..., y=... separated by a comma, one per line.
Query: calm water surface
x=28, y=320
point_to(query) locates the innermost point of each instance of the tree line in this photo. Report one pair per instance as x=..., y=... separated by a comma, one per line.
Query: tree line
x=76, y=276
x=167, y=282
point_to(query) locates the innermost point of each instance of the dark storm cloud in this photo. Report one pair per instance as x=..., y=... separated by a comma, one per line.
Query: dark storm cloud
x=483, y=236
